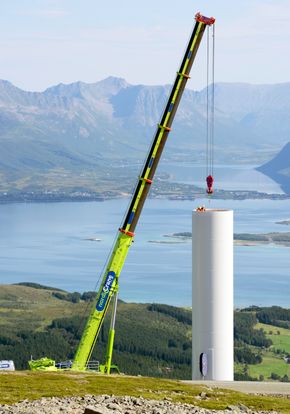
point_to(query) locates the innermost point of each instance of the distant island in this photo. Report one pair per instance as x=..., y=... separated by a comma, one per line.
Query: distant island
x=285, y=222
x=240, y=239
x=166, y=241
x=249, y=239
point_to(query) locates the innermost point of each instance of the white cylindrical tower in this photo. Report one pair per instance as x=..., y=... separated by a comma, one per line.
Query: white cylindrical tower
x=212, y=295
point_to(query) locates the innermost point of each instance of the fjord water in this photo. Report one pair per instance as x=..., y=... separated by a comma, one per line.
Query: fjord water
x=53, y=244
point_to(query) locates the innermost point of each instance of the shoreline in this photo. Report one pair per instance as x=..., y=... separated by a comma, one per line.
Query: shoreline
x=245, y=239
x=176, y=194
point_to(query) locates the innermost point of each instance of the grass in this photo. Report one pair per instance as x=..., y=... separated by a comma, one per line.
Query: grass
x=21, y=307
x=274, y=329
x=280, y=341
x=16, y=386
x=271, y=361
x=270, y=364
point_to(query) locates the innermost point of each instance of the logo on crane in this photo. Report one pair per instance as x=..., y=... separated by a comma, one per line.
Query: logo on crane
x=105, y=291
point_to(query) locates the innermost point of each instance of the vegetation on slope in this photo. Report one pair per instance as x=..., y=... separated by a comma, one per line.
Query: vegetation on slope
x=151, y=339
x=274, y=350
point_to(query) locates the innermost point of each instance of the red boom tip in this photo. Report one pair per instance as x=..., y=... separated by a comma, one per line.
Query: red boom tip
x=203, y=19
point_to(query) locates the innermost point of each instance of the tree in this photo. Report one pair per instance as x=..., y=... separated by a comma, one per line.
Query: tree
x=285, y=378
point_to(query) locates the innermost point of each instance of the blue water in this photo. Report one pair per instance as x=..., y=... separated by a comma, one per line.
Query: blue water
x=227, y=177
x=47, y=244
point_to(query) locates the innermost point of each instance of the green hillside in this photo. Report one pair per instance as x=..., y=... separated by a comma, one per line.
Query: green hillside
x=273, y=362
x=151, y=339
x=268, y=337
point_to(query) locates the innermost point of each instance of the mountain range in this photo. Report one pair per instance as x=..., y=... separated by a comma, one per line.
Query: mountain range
x=82, y=127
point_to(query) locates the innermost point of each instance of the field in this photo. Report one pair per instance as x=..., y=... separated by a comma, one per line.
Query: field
x=279, y=336
x=272, y=362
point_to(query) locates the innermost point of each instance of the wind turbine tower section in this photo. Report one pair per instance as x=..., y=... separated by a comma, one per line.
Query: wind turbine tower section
x=212, y=295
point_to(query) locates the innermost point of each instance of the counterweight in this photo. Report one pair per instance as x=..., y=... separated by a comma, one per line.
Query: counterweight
x=109, y=284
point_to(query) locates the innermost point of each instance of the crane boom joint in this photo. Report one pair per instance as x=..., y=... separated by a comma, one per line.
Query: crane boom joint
x=184, y=75
x=164, y=127
x=128, y=233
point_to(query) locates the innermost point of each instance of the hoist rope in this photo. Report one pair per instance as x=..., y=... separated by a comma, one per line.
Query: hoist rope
x=207, y=103
x=210, y=99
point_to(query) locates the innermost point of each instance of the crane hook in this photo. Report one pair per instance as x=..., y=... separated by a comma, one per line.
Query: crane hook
x=209, y=182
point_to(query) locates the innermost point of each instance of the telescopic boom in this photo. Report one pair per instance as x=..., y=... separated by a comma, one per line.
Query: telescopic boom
x=110, y=281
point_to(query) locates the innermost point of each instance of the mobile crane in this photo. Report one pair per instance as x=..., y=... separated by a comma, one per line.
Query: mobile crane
x=108, y=289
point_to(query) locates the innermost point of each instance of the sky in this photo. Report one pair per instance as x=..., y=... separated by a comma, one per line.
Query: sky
x=47, y=42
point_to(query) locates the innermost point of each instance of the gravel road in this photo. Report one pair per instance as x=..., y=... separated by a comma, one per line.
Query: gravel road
x=249, y=387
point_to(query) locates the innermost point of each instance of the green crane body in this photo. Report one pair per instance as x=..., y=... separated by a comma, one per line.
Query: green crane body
x=110, y=281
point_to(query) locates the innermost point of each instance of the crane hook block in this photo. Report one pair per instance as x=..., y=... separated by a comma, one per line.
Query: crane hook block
x=209, y=182
x=203, y=19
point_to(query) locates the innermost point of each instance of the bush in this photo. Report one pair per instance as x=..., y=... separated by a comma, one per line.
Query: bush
x=70, y=297
x=88, y=296
x=244, y=331
x=275, y=315
x=186, y=345
x=58, y=295
x=239, y=376
x=246, y=356
x=172, y=343
x=181, y=315
x=5, y=340
x=74, y=297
